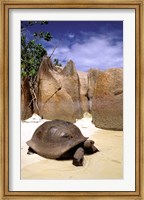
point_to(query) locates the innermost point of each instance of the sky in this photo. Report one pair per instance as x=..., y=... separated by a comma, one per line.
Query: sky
x=90, y=44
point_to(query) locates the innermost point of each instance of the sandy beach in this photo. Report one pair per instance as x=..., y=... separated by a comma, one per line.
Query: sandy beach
x=105, y=164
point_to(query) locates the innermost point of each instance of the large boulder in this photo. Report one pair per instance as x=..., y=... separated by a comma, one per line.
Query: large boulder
x=59, y=106
x=26, y=100
x=58, y=92
x=107, y=104
x=70, y=81
x=83, y=91
x=93, y=75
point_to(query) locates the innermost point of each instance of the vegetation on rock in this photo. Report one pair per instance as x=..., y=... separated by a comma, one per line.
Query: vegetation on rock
x=32, y=53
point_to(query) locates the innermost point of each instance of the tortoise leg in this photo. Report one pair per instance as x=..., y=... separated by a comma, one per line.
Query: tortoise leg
x=30, y=151
x=78, y=157
x=89, y=147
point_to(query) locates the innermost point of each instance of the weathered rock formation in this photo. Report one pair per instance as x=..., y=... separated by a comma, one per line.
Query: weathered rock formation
x=70, y=81
x=64, y=93
x=93, y=75
x=107, y=104
x=58, y=92
x=83, y=91
x=26, y=104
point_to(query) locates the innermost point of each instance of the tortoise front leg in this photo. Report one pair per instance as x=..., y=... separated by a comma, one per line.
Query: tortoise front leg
x=89, y=147
x=78, y=157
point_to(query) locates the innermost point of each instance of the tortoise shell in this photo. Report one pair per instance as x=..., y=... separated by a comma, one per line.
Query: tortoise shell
x=54, y=138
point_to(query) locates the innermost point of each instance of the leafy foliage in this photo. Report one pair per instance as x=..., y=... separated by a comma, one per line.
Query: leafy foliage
x=46, y=36
x=56, y=62
x=31, y=51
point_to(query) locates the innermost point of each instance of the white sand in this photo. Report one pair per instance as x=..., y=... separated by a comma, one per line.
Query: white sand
x=105, y=164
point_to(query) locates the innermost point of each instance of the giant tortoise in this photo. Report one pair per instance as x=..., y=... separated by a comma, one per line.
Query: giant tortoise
x=60, y=139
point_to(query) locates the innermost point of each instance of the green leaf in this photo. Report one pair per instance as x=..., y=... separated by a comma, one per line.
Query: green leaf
x=35, y=34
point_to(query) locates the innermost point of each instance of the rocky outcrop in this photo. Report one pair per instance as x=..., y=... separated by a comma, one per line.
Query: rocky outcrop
x=107, y=103
x=70, y=81
x=58, y=92
x=83, y=77
x=93, y=75
x=26, y=104
x=59, y=106
x=64, y=93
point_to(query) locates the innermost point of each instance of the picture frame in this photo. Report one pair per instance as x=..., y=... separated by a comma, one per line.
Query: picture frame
x=4, y=99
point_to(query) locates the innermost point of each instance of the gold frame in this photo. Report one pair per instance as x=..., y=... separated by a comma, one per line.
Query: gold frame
x=5, y=5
